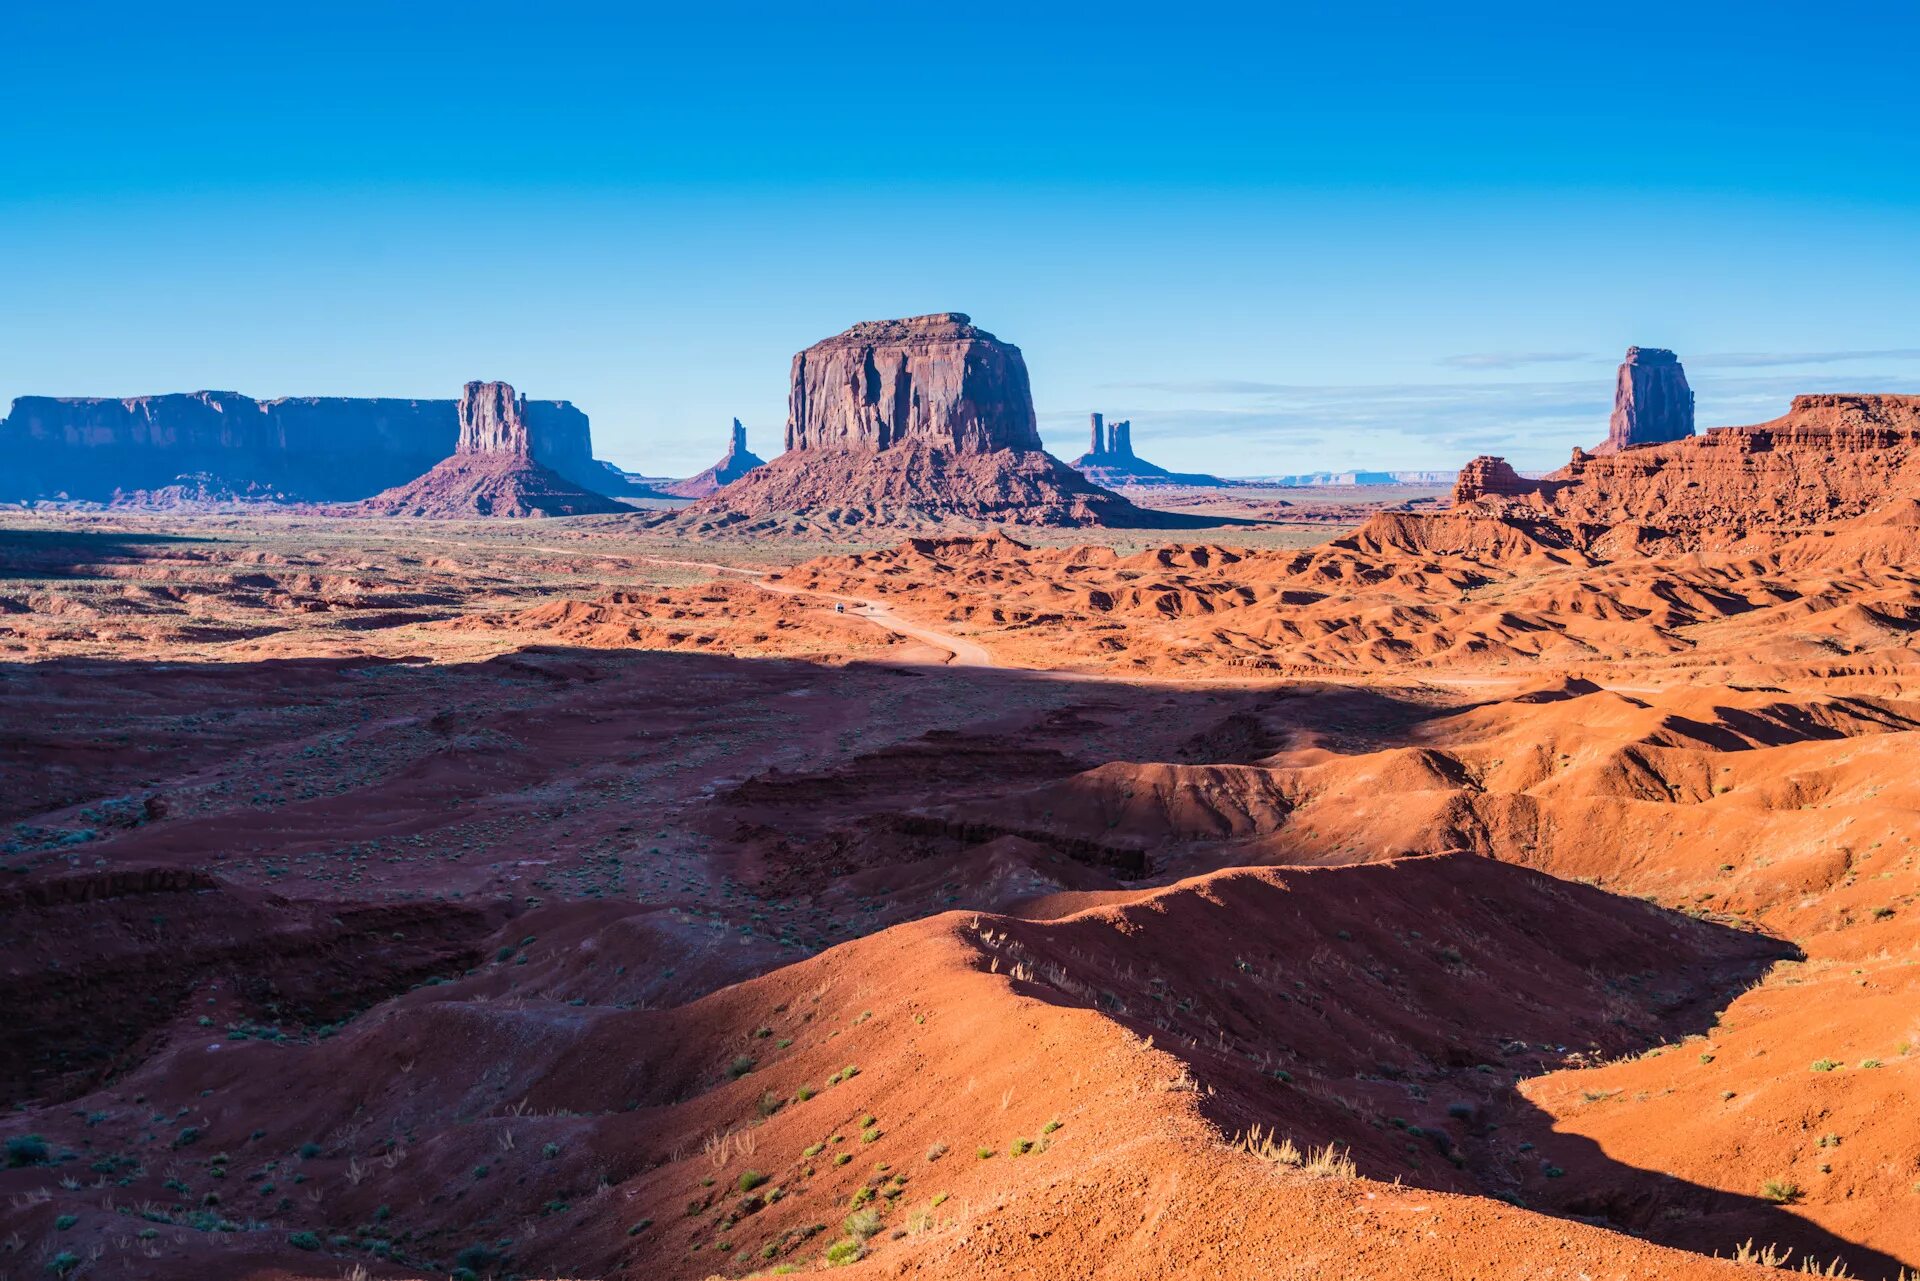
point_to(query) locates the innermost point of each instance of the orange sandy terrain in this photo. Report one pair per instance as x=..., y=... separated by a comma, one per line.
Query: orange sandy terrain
x=1448, y=899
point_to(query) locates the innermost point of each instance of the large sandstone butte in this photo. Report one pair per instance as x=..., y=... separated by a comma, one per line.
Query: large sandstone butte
x=1110, y=460
x=909, y=423
x=1652, y=403
x=1829, y=458
x=496, y=468
x=314, y=448
x=738, y=461
x=936, y=380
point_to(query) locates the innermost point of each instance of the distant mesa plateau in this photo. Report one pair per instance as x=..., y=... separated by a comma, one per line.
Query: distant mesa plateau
x=948, y=868
x=222, y=446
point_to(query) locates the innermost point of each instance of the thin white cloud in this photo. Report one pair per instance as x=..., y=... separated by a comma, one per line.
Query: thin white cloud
x=1512, y=359
x=1770, y=359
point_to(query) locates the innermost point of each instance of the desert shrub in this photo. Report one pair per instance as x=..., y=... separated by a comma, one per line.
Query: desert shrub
x=862, y=1225
x=1825, y=1065
x=740, y=1066
x=937, y=1151
x=303, y=1241
x=27, y=1149
x=63, y=1263
x=1780, y=1191
x=550, y=1151
x=751, y=1179
x=841, y=1253
x=1020, y=1147
x=870, y=1134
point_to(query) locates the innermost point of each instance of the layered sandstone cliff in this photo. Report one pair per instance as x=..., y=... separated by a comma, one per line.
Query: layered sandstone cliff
x=1828, y=458
x=314, y=448
x=1652, y=403
x=908, y=423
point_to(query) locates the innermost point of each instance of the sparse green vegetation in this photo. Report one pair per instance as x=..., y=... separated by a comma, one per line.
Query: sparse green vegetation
x=27, y=1149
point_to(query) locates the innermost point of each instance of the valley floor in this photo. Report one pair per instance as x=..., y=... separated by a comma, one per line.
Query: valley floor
x=551, y=899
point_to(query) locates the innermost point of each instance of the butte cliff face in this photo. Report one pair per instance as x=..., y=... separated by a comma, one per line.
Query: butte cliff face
x=739, y=460
x=1652, y=403
x=910, y=423
x=1829, y=458
x=1111, y=460
x=935, y=380
x=313, y=448
x=498, y=467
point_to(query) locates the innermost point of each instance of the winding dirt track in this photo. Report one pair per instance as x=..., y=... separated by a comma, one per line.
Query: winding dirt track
x=960, y=652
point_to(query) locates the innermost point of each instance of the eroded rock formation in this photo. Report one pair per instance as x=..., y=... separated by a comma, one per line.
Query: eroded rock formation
x=739, y=460
x=936, y=380
x=498, y=467
x=1490, y=476
x=314, y=448
x=1652, y=403
x=1828, y=458
x=1111, y=460
x=910, y=422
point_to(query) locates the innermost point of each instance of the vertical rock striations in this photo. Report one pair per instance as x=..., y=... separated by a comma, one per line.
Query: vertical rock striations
x=1652, y=403
x=933, y=380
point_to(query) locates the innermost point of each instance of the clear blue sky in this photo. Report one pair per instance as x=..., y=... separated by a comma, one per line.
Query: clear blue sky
x=1279, y=238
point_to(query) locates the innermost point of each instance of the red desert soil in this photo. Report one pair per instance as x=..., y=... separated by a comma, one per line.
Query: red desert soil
x=548, y=901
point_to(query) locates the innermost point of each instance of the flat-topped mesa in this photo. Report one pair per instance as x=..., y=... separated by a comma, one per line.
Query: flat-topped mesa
x=311, y=448
x=1652, y=403
x=934, y=380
